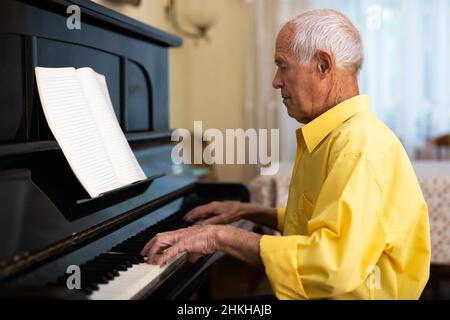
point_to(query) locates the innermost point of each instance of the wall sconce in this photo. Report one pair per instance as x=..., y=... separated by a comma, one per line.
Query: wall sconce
x=198, y=16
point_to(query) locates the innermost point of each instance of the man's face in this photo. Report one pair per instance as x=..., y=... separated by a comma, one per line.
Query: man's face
x=300, y=85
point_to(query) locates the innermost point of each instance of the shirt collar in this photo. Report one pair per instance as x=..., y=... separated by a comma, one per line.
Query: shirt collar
x=315, y=131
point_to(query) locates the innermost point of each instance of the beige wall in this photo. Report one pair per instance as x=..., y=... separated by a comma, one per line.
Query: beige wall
x=206, y=79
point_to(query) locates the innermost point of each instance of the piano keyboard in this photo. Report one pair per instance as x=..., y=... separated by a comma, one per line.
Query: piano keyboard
x=139, y=278
x=122, y=273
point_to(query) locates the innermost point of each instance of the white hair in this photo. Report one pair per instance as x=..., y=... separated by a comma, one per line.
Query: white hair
x=329, y=30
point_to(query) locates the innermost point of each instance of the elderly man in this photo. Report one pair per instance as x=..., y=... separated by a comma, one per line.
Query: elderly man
x=356, y=224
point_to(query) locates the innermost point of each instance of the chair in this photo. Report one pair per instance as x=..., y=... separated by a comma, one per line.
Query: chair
x=438, y=148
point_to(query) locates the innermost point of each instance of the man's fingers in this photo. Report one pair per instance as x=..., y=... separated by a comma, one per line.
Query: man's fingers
x=200, y=212
x=164, y=246
x=167, y=255
x=162, y=241
x=147, y=246
x=155, y=249
x=215, y=220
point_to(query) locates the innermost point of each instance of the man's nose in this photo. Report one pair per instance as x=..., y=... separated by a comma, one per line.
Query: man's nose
x=277, y=83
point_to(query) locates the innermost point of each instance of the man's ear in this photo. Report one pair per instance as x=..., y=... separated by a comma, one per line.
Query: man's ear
x=325, y=63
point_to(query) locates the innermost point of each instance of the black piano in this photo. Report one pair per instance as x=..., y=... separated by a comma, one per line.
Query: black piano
x=48, y=223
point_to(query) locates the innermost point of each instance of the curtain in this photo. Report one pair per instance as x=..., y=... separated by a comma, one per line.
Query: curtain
x=263, y=104
x=406, y=69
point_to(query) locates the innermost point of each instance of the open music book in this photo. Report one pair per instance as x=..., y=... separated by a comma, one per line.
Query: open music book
x=80, y=114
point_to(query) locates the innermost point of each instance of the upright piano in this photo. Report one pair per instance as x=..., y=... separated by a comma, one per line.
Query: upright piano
x=49, y=226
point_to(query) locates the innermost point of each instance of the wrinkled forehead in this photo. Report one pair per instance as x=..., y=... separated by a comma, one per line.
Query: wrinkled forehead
x=284, y=38
x=283, y=50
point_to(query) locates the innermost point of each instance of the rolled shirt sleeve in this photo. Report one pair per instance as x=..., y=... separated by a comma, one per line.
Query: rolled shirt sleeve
x=345, y=237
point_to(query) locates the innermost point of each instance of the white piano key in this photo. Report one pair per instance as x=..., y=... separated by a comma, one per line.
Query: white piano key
x=137, y=280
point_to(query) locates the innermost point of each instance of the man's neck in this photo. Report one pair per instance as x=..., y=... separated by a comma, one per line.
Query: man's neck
x=344, y=87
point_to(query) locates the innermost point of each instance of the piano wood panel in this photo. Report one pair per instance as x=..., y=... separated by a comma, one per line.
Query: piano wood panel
x=12, y=101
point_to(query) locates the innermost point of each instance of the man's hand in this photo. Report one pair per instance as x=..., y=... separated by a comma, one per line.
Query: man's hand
x=232, y=211
x=197, y=241
x=218, y=212
x=202, y=240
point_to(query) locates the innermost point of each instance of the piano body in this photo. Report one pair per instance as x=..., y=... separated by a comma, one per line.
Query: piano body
x=48, y=223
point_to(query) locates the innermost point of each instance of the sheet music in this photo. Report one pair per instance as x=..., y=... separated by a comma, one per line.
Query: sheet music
x=79, y=112
x=123, y=160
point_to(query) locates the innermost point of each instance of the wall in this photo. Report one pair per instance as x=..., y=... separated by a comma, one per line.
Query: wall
x=206, y=78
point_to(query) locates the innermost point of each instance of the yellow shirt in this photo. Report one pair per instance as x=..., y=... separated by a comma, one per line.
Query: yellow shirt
x=356, y=224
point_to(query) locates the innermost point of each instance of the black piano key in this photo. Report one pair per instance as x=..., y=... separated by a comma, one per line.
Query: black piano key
x=93, y=274
x=95, y=279
x=99, y=272
x=113, y=266
x=102, y=269
x=119, y=266
x=88, y=288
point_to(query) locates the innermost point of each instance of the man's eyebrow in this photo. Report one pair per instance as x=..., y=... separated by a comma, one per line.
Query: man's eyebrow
x=279, y=61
